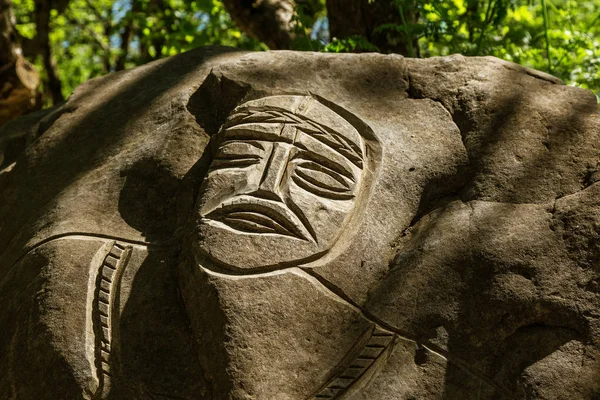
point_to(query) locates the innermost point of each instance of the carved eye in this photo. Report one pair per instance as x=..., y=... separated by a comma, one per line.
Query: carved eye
x=323, y=181
x=236, y=154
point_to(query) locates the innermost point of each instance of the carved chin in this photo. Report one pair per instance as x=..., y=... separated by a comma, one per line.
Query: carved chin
x=223, y=246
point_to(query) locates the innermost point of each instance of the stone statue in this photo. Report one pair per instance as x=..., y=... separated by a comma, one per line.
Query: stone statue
x=281, y=225
x=291, y=174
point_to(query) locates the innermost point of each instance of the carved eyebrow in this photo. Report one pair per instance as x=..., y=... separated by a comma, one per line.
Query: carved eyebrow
x=245, y=132
x=324, y=134
x=253, y=143
x=255, y=114
x=334, y=140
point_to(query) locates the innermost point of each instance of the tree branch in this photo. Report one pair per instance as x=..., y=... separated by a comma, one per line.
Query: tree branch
x=9, y=50
x=97, y=38
x=125, y=40
x=126, y=36
x=270, y=21
x=106, y=22
x=95, y=11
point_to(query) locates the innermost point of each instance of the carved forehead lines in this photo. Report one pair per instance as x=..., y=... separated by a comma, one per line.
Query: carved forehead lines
x=269, y=119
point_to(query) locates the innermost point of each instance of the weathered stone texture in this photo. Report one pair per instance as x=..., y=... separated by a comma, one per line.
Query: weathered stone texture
x=282, y=225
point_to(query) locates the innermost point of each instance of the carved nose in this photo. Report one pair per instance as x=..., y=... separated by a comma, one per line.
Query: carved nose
x=274, y=171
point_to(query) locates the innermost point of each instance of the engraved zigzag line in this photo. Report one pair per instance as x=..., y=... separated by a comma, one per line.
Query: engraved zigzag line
x=104, y=313
x=379, y=341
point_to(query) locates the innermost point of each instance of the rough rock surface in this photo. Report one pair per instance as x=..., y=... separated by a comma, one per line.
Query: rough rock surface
x=281, y=225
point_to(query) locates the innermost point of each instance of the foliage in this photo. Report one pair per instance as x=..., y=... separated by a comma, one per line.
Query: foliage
x=564, y=40
x=350, y=44
x=93, y=37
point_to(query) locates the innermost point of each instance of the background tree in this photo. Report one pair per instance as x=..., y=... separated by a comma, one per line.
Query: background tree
x=382, y=25
x=73, y=41
x=18, y=78
x=270, y=21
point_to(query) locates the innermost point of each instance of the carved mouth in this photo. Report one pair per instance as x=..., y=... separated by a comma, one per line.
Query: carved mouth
x=260, y=216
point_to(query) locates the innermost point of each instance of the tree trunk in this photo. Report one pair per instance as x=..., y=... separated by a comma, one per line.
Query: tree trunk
x=18, y=78
x=42, y=16
x=388, y=24
x=270, y=21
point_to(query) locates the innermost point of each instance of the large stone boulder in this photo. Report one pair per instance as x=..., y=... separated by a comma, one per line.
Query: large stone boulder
x=281, y=225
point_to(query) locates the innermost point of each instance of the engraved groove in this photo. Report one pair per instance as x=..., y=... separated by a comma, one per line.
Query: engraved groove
x=260, y=218
x=320, y=183
x=240, y=155
x=236, y=157
x=300, y=215
x=310, y=187
x=359, y=365
x=105, y=314
x=258, y=115
x=366, y=357
x=249, y=133
x=311, y=166
x=269, y=160
x=326, y=135
x=218, y=164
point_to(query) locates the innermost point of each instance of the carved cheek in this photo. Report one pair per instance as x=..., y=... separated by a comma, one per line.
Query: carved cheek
x=220, y=186
x=324, y=215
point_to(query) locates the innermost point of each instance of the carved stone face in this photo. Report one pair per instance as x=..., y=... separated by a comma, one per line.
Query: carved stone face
x=284, y=182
